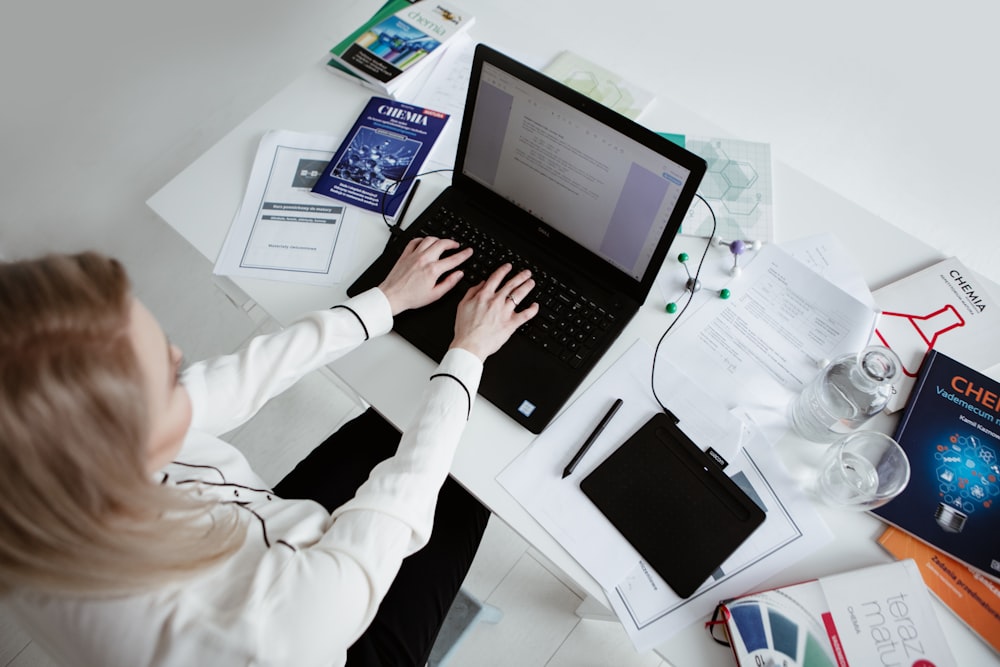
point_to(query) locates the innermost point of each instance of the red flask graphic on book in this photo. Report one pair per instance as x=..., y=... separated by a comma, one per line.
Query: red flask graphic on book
x=902, y=332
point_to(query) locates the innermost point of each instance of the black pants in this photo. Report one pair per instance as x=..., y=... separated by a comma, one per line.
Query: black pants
x=410, y=616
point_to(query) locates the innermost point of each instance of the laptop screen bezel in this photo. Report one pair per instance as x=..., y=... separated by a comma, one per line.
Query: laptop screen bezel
x=562, y=246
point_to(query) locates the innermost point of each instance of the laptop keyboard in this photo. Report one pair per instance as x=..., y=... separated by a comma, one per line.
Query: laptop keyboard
x=568, y=325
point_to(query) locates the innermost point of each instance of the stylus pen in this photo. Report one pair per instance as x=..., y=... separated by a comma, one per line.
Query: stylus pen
x=406, y=204
x=591, y=438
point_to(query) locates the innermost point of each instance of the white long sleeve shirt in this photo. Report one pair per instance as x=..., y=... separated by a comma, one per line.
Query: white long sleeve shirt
x=305, y=584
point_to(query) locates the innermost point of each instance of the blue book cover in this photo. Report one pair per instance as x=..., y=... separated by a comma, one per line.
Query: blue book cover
x=375, y=165
x=950, y=431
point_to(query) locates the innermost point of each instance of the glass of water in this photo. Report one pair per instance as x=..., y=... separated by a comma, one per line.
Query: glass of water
x=863, y=470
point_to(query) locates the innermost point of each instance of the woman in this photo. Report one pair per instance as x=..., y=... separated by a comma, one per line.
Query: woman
x=131, y=535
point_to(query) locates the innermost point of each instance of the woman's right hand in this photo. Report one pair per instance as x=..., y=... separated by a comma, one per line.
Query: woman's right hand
x=487, y=315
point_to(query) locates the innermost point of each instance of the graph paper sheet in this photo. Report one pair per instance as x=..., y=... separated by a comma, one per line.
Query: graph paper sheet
x=738, y=186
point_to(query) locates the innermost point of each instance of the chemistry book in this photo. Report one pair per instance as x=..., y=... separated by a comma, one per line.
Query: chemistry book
x=385, y=11
x=970, y=595
x=374, y=167
x=944, y=307
x=881, y=615
x=400, y=40
x=950, y=431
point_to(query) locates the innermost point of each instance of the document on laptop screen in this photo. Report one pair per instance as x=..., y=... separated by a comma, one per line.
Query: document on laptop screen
x=604, y=190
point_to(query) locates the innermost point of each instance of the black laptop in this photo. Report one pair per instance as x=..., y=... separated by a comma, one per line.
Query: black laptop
x=550, y=180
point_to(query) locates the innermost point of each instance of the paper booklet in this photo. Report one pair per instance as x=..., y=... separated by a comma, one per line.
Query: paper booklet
x=971, y=596
x=282, y=231
x=946, y=307
x=881, y=615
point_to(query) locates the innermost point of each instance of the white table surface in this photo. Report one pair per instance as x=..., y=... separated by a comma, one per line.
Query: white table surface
x=201, y=201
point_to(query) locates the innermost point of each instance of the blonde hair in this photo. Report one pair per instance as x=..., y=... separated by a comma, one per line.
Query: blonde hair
x=79, y=511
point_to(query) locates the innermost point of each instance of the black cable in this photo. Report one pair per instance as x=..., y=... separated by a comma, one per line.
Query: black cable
x=394, y=228
x=694, y=281
x=391, y=189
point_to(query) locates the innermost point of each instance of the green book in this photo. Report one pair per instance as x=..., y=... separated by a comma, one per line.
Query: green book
x=387, y=10
x=399, y=40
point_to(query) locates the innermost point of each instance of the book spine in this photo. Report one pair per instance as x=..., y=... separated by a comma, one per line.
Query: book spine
x=335, y=67
x=915, y=393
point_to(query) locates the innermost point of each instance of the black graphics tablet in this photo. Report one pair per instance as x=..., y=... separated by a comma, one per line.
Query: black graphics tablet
x=673, y=503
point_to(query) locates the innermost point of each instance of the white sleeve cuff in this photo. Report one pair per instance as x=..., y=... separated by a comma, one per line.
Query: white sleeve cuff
x=373, y=310
x=464, y=365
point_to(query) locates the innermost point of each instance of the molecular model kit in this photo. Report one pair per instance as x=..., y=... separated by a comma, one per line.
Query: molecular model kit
x=719, y=272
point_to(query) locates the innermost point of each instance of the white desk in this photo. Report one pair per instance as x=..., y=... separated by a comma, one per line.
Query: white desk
x=200, y=202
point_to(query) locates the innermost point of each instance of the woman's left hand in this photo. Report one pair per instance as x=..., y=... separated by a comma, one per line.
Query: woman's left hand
x=413, y=281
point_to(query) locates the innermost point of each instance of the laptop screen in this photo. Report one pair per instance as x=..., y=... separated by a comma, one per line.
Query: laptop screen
x=599, y=187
